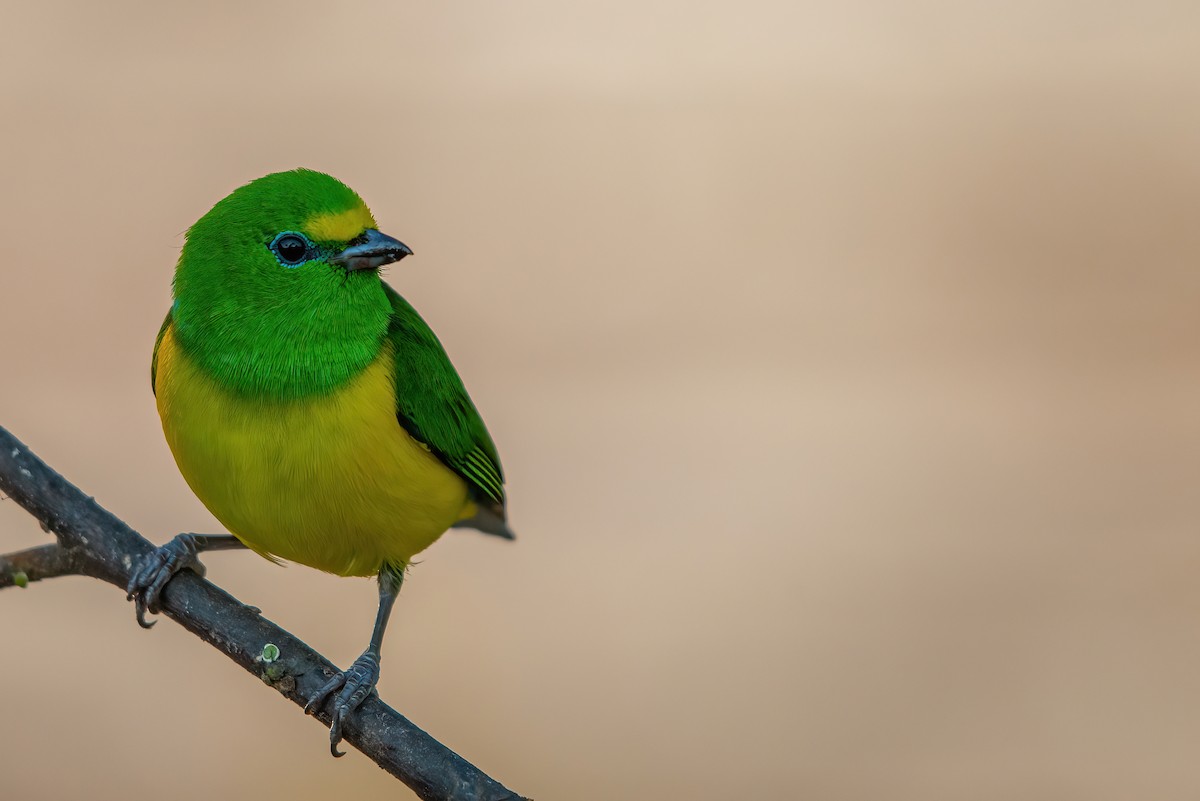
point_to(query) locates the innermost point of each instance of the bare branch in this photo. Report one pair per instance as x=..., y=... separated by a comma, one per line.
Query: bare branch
x=34, y=564
x=93, y=542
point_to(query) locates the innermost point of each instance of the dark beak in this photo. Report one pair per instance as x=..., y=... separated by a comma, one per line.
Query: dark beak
x=371, y=251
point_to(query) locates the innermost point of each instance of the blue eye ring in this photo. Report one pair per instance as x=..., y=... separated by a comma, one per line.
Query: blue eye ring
x=292, y=249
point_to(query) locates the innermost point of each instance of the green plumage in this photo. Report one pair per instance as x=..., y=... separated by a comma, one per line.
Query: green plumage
x=434, y=407
x=266, y=331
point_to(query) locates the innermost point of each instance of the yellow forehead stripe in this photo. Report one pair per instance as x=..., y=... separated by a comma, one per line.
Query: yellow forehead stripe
x=339, y=226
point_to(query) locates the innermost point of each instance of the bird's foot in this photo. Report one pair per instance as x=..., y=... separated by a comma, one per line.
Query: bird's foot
x=155, y=570
x=354, y=685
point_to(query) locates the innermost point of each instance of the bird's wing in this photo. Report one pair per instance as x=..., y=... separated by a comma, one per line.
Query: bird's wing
x=433, y=406
x=154, y=359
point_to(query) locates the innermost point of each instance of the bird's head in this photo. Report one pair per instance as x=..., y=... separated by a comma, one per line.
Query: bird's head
x=282, y=232
x=284, y=269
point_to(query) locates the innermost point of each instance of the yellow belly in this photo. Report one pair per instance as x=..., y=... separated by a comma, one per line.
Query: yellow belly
x=333, y=482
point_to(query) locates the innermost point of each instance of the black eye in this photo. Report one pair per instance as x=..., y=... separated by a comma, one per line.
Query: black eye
x=291, y=249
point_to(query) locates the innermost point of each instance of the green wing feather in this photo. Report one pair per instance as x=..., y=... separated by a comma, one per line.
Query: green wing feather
x=433, y=406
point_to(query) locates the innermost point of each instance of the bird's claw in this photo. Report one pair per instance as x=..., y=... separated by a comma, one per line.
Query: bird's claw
x=355, y=685
x=155, y=570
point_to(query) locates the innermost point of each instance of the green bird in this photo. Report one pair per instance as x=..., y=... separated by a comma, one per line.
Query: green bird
x=309, y=406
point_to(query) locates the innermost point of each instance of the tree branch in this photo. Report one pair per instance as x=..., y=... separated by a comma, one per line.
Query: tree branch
x=93, y=542
x=34, y=564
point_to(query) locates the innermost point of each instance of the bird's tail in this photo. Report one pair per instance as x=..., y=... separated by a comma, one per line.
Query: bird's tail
x=488, y=522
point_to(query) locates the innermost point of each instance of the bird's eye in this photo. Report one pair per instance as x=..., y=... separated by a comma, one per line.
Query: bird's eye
x=291, y=249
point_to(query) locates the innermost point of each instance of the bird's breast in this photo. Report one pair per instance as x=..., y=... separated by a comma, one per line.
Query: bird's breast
x=331, y=481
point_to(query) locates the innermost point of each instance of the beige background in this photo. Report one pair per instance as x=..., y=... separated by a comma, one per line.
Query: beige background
x=843, y=358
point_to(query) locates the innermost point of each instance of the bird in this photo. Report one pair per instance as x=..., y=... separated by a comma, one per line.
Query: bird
x=309, y=406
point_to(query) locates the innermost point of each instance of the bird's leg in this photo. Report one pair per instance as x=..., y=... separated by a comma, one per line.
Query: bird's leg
x=155, y=570
x=358, y=682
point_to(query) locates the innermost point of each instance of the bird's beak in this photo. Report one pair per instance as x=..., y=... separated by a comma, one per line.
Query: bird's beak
x=371, y=251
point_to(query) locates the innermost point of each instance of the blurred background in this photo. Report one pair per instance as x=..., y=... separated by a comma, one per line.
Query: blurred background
x=842, y=356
